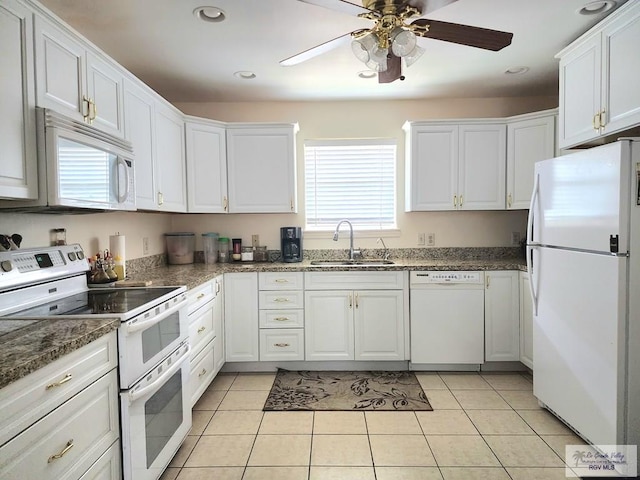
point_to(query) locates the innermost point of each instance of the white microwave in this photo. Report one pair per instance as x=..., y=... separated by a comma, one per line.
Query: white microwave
x=80, y=167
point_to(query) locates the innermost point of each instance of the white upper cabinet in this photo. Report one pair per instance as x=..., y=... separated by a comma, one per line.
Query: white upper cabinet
x=18, y=166
x=206, y=166
x=75, y=81
x=170, y=159
x=455, y=166
x=598, y=80
x=140, y=131
x=530, y=138
x=261, y=168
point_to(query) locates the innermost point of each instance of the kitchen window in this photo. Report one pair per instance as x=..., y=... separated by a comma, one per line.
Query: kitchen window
x=353, y=179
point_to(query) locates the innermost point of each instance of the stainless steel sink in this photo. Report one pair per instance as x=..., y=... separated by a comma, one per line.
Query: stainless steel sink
x=351, y=263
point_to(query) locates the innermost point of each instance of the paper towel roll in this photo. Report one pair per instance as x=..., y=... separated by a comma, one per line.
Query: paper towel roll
x=117, y=249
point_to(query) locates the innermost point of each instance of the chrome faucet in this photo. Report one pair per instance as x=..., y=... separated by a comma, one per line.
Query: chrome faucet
x=385, y=255
x=335, y=236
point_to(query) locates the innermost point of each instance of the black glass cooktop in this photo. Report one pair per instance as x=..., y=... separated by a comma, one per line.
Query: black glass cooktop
x=98, y=301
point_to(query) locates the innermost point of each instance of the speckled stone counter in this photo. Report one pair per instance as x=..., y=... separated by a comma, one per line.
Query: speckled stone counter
x=27, y=345
x=195, y=274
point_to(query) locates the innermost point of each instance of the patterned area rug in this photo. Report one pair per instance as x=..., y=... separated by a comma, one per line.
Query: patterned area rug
x=346, y=391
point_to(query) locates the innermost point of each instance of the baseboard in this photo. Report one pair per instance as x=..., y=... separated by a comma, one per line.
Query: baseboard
x=314, y=366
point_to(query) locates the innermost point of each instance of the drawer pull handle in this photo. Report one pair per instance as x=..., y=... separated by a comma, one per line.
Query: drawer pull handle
x=357, y=306
x=281, y=280
x=66, y=378
x=200, y=296
x=68, y=447
x=281, y=345
x=203, y=372
x=281, y=300
x=202, y=329
x=281, y=319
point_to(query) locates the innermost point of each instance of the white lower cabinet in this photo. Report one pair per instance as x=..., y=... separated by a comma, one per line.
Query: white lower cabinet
x=501, y=316
x=526, y=321
x=60, y=446
x=205, y=332
x=281, y=344
x=108, y=466
x=241, y=317
x=355, y=323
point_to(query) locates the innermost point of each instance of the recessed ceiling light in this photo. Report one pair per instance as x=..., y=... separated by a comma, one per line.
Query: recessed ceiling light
x=516, y=70
x=367, y=74
x=210, y=14
x=597, y=7
x=245, y=75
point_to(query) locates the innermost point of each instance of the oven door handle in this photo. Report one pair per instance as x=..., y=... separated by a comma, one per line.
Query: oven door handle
x=158, y=382
x=137, y=326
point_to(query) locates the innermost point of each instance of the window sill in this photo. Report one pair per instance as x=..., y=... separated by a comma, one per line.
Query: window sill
x=357, y=233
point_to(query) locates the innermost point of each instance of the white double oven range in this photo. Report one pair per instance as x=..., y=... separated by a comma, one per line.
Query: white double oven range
x=153, y=344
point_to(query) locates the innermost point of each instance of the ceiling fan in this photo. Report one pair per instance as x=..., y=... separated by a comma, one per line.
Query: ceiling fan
x=383, y=46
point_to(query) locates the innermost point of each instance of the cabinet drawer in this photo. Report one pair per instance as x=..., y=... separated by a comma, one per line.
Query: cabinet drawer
x=281, y=300
x=281, y=344
x=201, y=329
x=200, y=295
x=282, y=318
x=64, y=434
x=354, y=280
x=202, y=372
x=107, y=467
x=280, y=280
x=25, y=401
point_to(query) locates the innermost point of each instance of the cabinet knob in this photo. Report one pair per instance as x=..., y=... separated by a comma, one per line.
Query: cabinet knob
x=455, y=200
x=202, y=329
x=225, y=203
x=281, y=345
x=509, y=201
x=56, y=456
x=281, y=280
x=602, y=118
x=203, y=372
x=460, y=200
x=160, y=198
x=281, y=300
x=66, y=379
x=281, y=319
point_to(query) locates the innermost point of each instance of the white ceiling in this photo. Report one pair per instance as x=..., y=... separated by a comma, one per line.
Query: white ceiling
x=188, y=60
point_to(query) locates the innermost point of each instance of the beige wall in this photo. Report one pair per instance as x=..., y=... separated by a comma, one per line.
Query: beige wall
x=317, y=120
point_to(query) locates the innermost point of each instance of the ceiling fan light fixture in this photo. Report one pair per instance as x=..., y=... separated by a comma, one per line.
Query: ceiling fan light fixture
x=415, y=54
x=597, y=7
x=404, y=43
x=363, y=46
x=210, y=14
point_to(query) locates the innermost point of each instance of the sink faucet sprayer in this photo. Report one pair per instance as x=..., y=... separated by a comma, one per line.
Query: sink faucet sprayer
x=335, y=236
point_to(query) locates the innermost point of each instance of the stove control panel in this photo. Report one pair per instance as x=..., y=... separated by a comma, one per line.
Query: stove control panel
x=33, y=265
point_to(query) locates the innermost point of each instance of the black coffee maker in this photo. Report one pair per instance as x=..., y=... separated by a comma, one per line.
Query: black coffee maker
x=291, y=244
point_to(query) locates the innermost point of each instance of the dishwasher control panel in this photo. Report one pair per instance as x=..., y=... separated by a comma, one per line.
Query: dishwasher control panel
x=447, y=277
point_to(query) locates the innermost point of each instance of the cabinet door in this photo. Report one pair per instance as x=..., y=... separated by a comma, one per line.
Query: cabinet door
x=218, y=322
x=621, y=70
x=433, y=168
x=580, y=87
x=482, y=167
x=60, y=71
x=379, y=325
x=206, y=168
x=18, y=166
x=261, y=170
x=241, y=317
x=139, y=123
x=526, y=321
x=170, y=162
x=105, y=89
x=501, y=316
x=528, y=141
x=328, y=319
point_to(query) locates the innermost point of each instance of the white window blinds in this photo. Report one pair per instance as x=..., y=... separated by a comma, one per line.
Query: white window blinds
x=352, y=179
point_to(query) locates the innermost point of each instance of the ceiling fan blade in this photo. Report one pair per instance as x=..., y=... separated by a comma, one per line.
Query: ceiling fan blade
x=339, y=5
x=464, y=34
x=428, y=6
x=317, y=50
x=393, y=71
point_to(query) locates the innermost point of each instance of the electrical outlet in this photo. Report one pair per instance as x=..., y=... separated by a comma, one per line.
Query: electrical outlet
x=145, y=245
x=255, y=240
x=431, y=239
x=420, y=239
x=515, y=238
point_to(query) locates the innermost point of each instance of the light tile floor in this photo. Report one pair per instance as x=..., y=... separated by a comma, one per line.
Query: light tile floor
x=483, y=426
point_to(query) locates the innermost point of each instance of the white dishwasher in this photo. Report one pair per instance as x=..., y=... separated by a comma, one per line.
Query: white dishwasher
x=447, y=317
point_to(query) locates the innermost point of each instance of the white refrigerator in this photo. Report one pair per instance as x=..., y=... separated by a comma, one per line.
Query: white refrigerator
x=583, y=256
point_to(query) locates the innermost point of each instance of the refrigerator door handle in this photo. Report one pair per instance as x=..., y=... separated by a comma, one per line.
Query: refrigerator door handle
x=534, y=198
x=532, y=291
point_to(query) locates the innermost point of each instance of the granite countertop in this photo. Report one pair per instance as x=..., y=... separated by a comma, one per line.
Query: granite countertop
x=27, y=345
x=195, y=274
